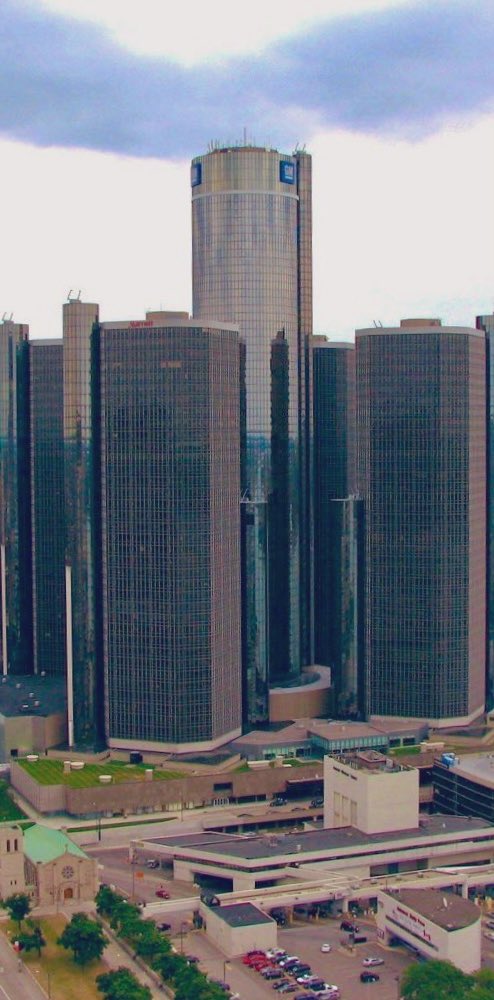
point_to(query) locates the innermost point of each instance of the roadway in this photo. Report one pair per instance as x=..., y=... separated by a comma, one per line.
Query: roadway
x=16, y=982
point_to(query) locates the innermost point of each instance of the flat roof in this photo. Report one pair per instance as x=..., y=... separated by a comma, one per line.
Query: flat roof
x=269, y=845
x=445, y=909
x=242, y=915
x=475, y=767
x=31, y=694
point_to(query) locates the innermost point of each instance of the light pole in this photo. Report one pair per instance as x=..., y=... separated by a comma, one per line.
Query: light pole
x=48, y=979
x=182, y=925
x=226, y=965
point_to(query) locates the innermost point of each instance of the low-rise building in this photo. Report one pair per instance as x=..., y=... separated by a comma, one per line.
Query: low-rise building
x=239, y=928
x=465, y=784
x=245, y=863
x=439, y=925
x=46, y=864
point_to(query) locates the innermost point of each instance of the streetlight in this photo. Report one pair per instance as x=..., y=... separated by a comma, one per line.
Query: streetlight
x=182, y=925
x=48, y=979
x=226, y=965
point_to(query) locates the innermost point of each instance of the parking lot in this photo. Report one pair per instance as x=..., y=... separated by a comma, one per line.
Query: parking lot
x=340, y=967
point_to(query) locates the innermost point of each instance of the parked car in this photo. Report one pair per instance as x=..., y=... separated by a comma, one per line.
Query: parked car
x=278, y=801
x=317, y=802
x=348, y=925
x=152, y=863
x=275, y=953
x=360, y=939
x=162, y=893
x=369, y=977
x=164, y=927
x=286, y=987
x=368, y=962
x=489, y=935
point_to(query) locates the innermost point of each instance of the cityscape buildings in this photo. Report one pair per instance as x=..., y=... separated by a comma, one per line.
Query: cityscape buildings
x=195, y=509
x=169, y=461
x=421, y=408
x=47, y=505
x=15, y=528
x=337, y=519
x=251, y=265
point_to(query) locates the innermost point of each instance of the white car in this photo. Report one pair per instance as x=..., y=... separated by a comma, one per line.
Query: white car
x=369, y=962
x=275, y=953
x=325, y=947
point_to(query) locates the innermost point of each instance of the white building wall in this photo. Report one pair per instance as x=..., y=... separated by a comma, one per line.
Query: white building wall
x=461, y=946
x=373, y=801
x=238, y=940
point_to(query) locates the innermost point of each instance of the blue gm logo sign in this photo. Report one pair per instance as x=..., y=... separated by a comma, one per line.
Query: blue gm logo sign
x=287, y=172
x=196, y=174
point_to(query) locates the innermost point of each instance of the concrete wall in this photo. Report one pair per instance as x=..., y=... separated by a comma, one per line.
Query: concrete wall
x=138, y=796
x=462, y=946
x=373, y=801
x=67, y=878
x=307, y=701
x=237, y=940
x=27, y=733
x=12, y=877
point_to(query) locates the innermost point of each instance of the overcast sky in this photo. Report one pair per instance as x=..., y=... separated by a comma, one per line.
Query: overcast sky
x=104, y=102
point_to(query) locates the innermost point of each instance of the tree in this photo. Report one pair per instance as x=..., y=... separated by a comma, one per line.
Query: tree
x=18, y=906
x=435, y=980
x=121, y=984
x=84, y=937
x=33, y=939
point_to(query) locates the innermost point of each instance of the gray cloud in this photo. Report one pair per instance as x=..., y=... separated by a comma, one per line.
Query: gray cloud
x=405, y=71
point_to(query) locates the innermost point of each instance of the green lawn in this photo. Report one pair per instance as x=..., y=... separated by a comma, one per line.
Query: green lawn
x=56, y=967
x=8, y=809
x=50, y=772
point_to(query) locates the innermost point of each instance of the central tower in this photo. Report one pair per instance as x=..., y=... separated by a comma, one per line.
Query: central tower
x=252, y=266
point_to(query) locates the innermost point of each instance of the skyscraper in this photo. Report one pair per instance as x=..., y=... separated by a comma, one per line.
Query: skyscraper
x=251, y=259
x=169, y=466
x=84, y=681
x=15, y=523
x=47, y=505
x=486, y=323
x=336, y=528
x=421, y=476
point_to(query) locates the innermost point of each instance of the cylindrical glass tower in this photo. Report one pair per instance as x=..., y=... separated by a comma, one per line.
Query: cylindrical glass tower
x=251, y=242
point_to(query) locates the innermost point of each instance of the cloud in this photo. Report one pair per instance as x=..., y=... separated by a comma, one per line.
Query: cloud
x=406, y=71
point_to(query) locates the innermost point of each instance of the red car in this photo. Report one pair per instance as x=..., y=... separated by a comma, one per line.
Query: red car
x=162, y=894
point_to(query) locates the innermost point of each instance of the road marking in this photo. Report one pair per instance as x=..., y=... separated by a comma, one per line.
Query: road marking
x=5, y=994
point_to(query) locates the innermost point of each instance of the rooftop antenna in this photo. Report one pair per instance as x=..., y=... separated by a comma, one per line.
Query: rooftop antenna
x=7, y=319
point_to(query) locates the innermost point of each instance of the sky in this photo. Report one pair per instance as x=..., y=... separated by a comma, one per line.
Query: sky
x=104, y=102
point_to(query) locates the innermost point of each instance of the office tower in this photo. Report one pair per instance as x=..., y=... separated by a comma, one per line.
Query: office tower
x=169, y=446
x=421, y=475
x=486, y=323
x=251, y=260
x=334, y=442
x=47, y=505
x=15, y=527
x=84, y=687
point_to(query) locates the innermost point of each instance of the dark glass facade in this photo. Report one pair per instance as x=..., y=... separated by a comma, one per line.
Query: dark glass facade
x=15, y=525
x=251, y=233
x=486, y=323
x=421, y=476
x=47, y=505
x=85, y=692
x=335, y=533
x=170, y=528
